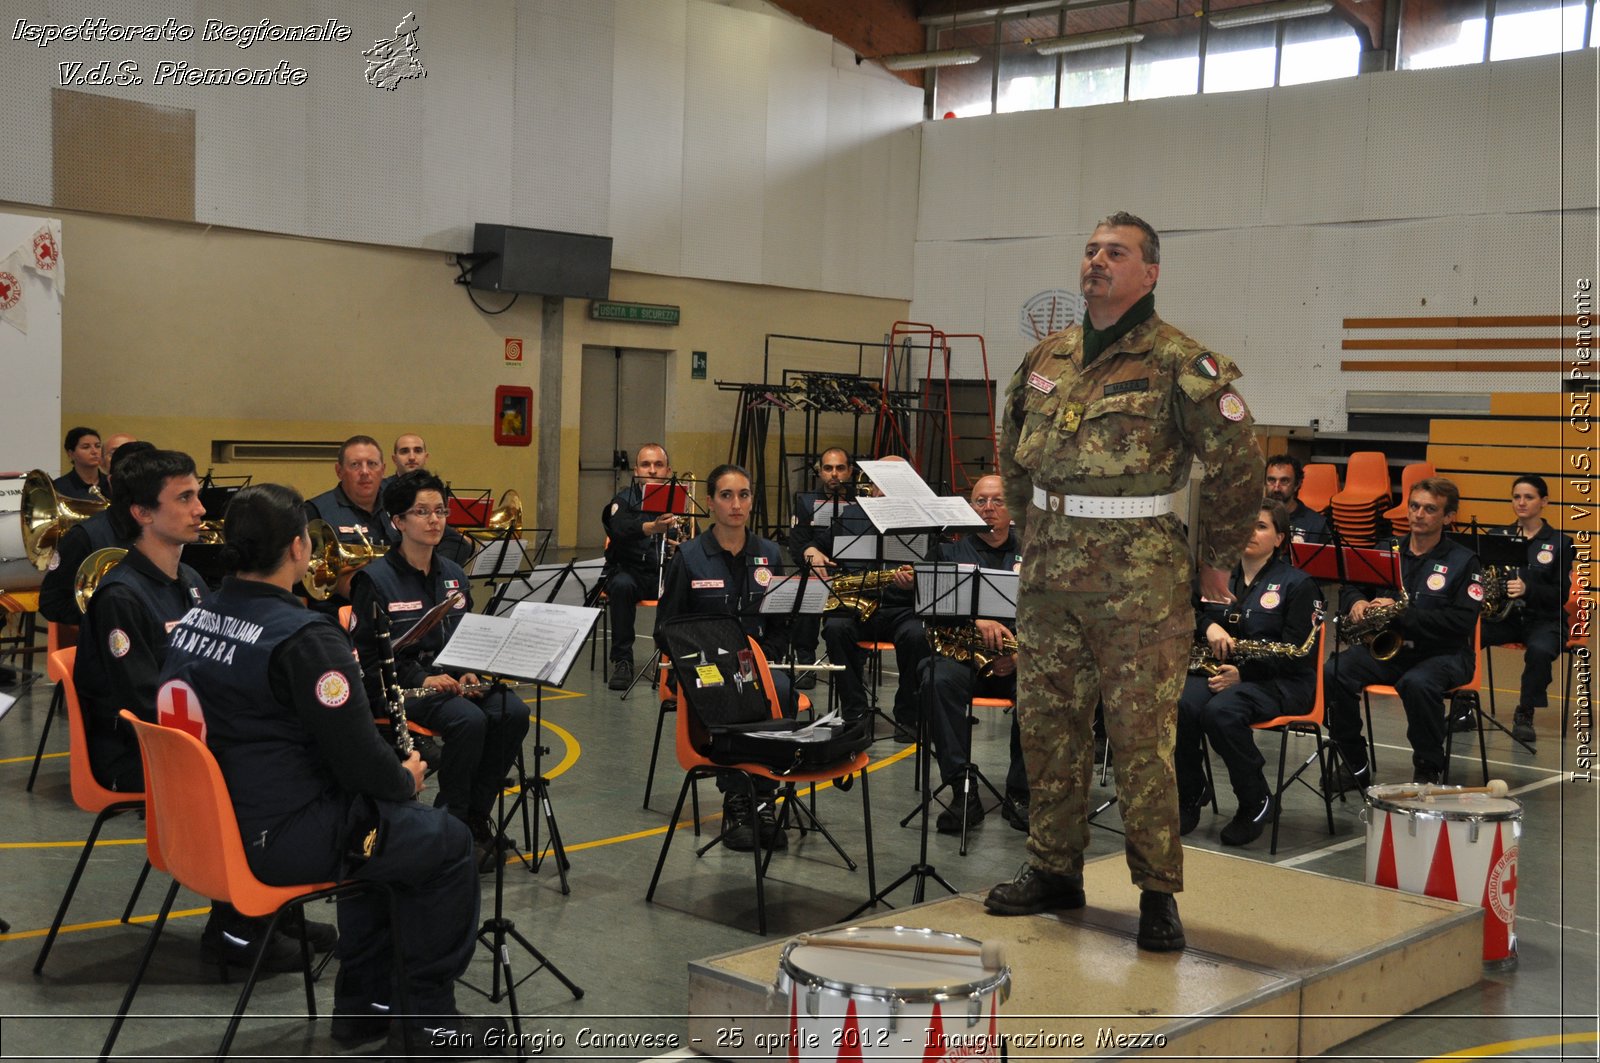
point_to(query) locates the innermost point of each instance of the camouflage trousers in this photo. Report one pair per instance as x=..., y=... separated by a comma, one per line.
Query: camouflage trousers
x=1079, y=648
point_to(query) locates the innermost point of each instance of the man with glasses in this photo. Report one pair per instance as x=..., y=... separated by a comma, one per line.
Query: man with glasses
x=482, y=732
x=835, y=473
x=952, y=684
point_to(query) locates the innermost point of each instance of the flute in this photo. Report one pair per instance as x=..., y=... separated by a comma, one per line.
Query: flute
x=393, y=697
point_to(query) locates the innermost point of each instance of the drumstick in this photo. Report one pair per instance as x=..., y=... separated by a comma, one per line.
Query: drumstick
x=991, y=954
x=1496, y=788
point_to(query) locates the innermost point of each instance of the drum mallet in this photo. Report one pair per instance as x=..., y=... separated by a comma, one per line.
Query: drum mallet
x=991, y=954
x=1495, y=788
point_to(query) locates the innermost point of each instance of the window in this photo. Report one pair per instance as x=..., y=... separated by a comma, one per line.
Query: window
x=1241, y=58
x=966, y=90
x=1318, y=49
x=1092, y=77
x=1534, y=27
x=1441, y=33
x=1166, y=62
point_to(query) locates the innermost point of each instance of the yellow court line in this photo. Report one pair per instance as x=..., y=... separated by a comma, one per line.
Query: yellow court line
x=26, y=760
x=1548, y=1041
x=74, y=928
x=70, y=845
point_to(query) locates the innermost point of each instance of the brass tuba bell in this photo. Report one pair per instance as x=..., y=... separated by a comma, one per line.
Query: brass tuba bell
x=332, y=560
x=94, y=568
x=504, y=520
x=47, y=516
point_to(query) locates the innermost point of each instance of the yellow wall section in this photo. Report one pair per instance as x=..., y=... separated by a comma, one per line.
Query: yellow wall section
x=185, y=333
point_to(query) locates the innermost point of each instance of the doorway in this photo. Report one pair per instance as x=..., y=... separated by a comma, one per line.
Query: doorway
x=624, y=404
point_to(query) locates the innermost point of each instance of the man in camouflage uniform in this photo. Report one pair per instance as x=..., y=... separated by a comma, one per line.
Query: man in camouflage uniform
x=1101, y=423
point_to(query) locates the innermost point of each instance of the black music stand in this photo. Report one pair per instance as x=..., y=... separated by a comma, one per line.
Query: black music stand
x=1502, y=551
x=855, y=546
x=496, y=931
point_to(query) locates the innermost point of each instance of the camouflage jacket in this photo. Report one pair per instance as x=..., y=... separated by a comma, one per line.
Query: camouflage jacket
x=1131, y=424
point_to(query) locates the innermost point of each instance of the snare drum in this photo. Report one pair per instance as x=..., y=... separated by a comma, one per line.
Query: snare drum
x=847, y=1003
x=1459, y=847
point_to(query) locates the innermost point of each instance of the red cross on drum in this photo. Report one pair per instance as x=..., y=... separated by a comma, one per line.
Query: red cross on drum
x=1442, y=842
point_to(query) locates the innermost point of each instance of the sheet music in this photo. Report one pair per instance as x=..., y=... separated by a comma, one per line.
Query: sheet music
x=539, y=582
x=500, y=557
x=575, y=620
x=781, y=593
x=893, y=514
x=896, y=548
x=896, y=479
x=821, y=729
x=476, y=641
x=946, y=589
x=908, y=549
x=954, y=512
x=533, y=648
x=997, y=594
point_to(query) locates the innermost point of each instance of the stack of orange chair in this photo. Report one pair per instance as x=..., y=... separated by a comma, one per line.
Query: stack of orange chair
x=1399, y=517
x=1358, y=509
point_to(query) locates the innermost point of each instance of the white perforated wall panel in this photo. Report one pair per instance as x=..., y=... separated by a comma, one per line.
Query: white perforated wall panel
x=1037, y=172
x=1426, y=140
x=647, y=124
x=26, y=76
x=1316, y=149
x=794, y=196
x=957, y=182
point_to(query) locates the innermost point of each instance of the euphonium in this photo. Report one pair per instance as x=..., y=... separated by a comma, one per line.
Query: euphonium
x=965, y=643
x=46, y=516
x=1200, y=659
x=504, y=520
x=845, y=591
x=1373, y=629
x=1496, y=604
x=331, y=559
x=94, y=568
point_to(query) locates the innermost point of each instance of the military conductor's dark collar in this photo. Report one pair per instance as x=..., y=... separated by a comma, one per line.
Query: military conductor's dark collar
x=1096, y=340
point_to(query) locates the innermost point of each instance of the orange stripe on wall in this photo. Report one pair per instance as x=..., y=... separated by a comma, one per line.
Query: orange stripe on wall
x=1483, y=321
x=1467, y=343
x=1420, y=366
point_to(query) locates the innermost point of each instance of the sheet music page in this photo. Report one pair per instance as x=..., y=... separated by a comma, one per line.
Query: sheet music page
x=909, y=549
x=997, y=594
x=952, y=512
x=532, y=647
x=476, y=641
x=855, y=548
x=896, y=479
x=570, y=624
x=781, y=593
x=946, y=589
x=892, y=514
x=487, y=561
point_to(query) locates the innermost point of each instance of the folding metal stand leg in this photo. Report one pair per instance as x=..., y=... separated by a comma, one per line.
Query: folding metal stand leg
x=538, y=787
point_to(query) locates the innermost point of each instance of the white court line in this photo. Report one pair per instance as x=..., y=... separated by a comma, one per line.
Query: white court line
x=1351, y=843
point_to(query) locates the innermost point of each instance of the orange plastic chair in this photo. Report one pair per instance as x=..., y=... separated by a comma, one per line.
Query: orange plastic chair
x=1318, y=486
x=1471, y=689
x=1309, y=723
x=1399, y=517
x=87, y=794
x=189, y=810
x=58, y=637
x=1366, y=495
x=691, y=736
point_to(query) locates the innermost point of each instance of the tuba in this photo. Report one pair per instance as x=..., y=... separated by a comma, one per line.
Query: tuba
x=332, y=560
x=94, y=568
x=845, y=592
x=47, y=516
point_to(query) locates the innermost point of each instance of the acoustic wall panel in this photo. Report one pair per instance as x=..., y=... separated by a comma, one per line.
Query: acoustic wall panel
x=1578, y=150
x=724, y=143
x=1426, y=142
x=905, y=146
x=561, y=119
x=956, y=186
x=1037, y=173
x=1016, y=271
x=1316, y=146
x=1524, y=114
x=153, y=149
x=794, y=193
x=26, y=78
x=647, y=129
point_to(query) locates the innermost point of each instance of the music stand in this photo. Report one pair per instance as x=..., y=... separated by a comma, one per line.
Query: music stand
x=878, y=549
x=1502, y=551
x=537, y=644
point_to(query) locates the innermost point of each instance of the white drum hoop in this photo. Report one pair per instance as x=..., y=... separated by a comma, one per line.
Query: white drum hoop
x=991, y=982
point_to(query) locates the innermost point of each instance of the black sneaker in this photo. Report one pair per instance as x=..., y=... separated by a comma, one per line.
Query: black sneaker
x=1522, y=726
x=234, y=942
x=621, y=675
x=1463, y=721
x=738, y=823
x=1033, y=890
x=356, y=1023
x=1421, y=773
x=1248, y=823
x=951, y=818
x=1188, y=818
x=1348, y=778
x=1160, y=929
x=805, y=680
x=1015, y=811
x=767, y=826
x=905, y=731
x=322, y=937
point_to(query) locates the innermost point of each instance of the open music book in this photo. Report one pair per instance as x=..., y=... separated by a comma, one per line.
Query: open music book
x=539, y=642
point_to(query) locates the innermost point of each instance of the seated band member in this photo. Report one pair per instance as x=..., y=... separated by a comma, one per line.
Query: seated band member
x=1285, y=473
x=57, y=602
x=354, y=507
x=724, y=570
x=1445, y=587
x=955, y=683
x=482, y=732
x=108, y=450
x=1535, y=596
x=894, y=620
x=123, y=646
x=835, y=476
x=410, y=453
x=319, y=792
x=1273, y=602
x=83, y=479
x=635, y=551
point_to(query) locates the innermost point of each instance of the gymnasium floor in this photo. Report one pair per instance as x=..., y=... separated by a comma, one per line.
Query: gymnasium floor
x=629, y=957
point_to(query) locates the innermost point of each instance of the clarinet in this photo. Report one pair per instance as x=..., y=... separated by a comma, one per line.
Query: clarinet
x=394, y=700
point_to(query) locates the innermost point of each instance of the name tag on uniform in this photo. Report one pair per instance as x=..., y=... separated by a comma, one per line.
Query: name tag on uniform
x=706, y=584
x=349, y=529
x=404, y=607
x=1122, y=387
x=1042, y=384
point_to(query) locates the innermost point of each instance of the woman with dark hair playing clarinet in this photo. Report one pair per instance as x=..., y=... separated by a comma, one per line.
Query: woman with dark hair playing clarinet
x=319, y=794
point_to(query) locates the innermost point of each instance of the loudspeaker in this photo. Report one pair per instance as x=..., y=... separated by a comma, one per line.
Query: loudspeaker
x=542, y=261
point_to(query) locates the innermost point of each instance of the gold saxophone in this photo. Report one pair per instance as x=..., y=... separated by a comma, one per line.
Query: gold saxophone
x=965, y=643
x=845, y=592
x=1373, y=629
x=1201, y=661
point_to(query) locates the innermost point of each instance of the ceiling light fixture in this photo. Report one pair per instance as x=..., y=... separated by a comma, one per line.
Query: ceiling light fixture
x=1083, y=42
x=1275, y=12
x=924, y=60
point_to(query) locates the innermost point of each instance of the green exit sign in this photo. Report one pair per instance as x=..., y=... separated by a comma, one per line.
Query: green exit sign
x=697, y=365
x=643, y=313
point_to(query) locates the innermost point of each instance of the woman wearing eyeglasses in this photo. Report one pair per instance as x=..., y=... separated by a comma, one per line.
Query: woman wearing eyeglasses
x=481, y=733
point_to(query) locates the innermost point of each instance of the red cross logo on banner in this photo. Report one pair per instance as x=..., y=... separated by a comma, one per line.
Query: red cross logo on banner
x=177, y=706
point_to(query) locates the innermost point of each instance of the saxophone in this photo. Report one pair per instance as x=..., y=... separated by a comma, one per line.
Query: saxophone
x=846, y=591
x=1373, y=629
x=965, y=643
x=1201, y=661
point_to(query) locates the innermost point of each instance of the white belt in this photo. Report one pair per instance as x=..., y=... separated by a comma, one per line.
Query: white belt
x=1105, y=506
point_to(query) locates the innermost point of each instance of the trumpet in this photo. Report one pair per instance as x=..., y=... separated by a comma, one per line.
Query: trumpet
x=94, y=568
x=965, y=643
x=47, y=516
x=1201, y=661
x=332, y=560
x=846, y=591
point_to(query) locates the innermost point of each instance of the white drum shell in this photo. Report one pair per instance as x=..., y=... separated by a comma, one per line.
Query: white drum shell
x=11, y=544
